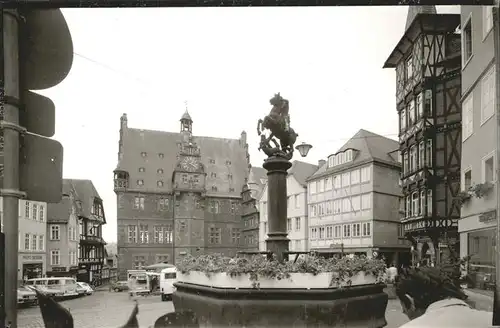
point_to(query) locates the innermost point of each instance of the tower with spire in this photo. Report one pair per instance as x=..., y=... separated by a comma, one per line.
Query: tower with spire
x=186, y=121
x=192, y=197
x=428, y=90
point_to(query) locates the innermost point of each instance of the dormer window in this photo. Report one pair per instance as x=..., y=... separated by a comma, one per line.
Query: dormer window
x=348, y=155
x=341, y=158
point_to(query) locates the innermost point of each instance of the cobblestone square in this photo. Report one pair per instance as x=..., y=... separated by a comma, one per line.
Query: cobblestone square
x=102, y=310
x=110, y=310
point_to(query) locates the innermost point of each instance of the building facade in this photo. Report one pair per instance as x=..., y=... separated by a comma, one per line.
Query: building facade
x=297, y=220
x=477, y=226
x=63, y=236
x=32, y=239
x=428, y=89
x=91, y=218
x=354, y=200
x=75, y=246
x=250, y=196
x=177, y=194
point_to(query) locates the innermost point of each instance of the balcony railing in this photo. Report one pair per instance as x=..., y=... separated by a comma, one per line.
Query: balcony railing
x=90, y=260
x=90, y=238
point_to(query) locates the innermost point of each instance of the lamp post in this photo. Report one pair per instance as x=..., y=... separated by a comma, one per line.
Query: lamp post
x=277, y=165
x=303, y=149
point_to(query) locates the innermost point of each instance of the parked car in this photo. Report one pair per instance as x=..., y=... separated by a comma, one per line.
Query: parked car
x=41, y=289
x=84, y=289
x=80, y=289
x=167, y=279
x=120, y=286
x=26, y=296
x=59, y=287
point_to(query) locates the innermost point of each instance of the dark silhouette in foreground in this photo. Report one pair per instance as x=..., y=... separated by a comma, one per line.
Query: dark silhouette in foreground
x=57, y=316
x=185, y=319
x=53, y=314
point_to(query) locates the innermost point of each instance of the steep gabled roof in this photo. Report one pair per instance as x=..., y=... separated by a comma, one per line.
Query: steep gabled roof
x=370, y=147
x=84, y=192
x=420, y=19
x=414, y=11
x=76, y=192
x=230, y=157
x=256, y=181
x=60, y=212
x=301, y=171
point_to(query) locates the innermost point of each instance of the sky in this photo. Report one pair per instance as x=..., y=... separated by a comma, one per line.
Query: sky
x=226, y=63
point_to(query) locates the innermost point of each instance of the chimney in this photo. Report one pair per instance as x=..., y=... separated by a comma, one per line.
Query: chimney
x=123, y=121
x=243, y=138
x=321, y=162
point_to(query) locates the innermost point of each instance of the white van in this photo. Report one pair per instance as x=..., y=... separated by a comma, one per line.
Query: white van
x=138, y=283
x=167, y=278
x=55, y=286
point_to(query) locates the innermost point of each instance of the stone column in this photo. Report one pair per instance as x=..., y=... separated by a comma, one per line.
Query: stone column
x=277, y=171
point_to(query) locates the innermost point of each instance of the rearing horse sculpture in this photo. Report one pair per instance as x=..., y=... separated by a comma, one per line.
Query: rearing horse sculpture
x=278, y=122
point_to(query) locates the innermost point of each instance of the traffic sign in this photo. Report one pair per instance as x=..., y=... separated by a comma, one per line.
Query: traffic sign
x=41, y=167
x=46, y=49
x=38, y=114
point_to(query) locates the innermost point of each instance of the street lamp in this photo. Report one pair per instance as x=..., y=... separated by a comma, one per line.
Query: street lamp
x=303, y=149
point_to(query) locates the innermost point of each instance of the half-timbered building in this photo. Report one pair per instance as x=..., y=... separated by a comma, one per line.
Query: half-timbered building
x=428, y=91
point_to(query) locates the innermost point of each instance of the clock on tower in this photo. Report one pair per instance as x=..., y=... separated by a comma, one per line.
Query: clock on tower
x=189, y=163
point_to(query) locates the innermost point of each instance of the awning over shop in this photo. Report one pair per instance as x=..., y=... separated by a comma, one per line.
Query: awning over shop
x=159, y=266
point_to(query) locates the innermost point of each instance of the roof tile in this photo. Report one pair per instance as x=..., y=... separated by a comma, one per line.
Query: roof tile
x=302, y=170
x=370, y=146
x=61, y=211
x=142, y=149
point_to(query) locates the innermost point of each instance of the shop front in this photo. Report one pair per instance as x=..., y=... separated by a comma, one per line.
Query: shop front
x=398, y=256
x=478, y=240
x=31, y=266
x=431, y=239
x=90, y=273
x=70, y=272
x=337, y=250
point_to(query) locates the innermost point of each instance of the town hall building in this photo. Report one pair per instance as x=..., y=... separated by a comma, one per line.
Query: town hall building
x=177, y=194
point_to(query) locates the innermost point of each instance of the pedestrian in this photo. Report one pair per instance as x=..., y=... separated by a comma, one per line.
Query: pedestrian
x=132, y=286
x=153, y=285
x=392, y=273
x=431, y=299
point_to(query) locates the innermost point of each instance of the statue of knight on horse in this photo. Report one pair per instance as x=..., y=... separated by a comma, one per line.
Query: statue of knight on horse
x=278, y=123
